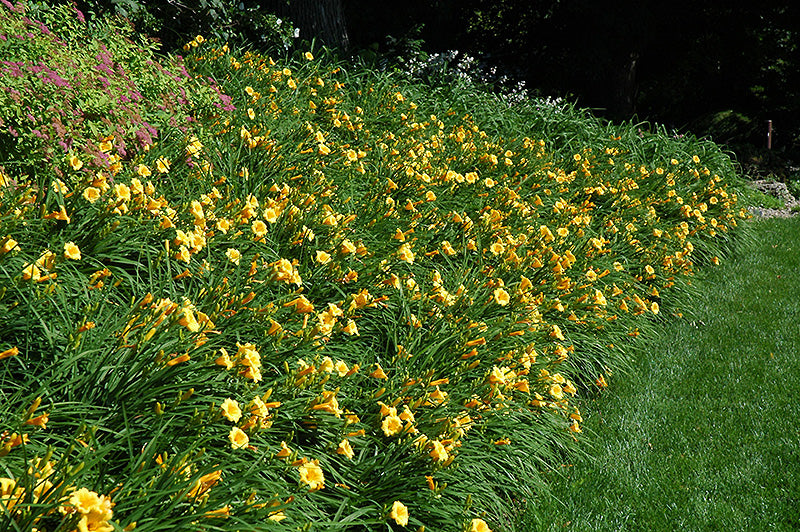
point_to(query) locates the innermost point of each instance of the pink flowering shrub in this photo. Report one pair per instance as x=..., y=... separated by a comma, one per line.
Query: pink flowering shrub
x=65, y=91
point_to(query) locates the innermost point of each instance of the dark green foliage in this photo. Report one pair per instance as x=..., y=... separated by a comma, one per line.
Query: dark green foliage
x=679, y=63
x=175, y=23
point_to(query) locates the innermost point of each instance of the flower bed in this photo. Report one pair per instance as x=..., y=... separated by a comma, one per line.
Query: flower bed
x=320, y=299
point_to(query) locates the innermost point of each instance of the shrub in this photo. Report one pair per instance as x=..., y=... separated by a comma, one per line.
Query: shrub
x=174, y=23
x=86, y=95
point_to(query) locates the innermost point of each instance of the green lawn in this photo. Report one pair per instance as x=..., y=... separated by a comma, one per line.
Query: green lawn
x=703, y=433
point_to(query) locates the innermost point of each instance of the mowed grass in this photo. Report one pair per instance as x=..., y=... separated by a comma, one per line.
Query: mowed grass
x=702, y=434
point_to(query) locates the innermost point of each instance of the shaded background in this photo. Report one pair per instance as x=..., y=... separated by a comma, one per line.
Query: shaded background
x=712, y=68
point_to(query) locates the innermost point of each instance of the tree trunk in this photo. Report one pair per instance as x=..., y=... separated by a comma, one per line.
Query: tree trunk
x=317, y=19
x=627, y=88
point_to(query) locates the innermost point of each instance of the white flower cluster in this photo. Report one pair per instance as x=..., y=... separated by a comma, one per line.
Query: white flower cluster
x=453, y=67
x=276, y=30
x=553, y=105
x=450, y=64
